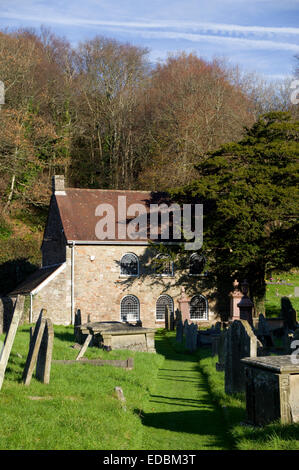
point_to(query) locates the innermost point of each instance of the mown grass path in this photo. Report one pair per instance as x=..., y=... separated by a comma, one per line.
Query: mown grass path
x=180, y=414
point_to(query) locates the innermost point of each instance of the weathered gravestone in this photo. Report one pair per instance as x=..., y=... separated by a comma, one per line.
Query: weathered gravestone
x=288, y=314
x=241, y=343
x=10, y=337
x=222, y=347
x=40, y=350
x=169, y=319
x=191, y=337
x=272, y=389
x=44, y=358
x=263, y=332
x=179, y=331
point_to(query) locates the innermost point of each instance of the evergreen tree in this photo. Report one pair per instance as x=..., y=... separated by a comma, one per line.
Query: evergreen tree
x=250, y=194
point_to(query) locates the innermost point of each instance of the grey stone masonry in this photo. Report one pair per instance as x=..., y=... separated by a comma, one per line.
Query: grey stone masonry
x=272, y=389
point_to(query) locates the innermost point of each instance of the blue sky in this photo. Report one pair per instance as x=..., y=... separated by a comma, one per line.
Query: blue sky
x=261, y=36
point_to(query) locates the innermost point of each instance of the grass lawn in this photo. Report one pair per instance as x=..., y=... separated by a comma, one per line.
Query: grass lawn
x=174, y=401
x=78, y=409
x=180, y=414
x=280, y=289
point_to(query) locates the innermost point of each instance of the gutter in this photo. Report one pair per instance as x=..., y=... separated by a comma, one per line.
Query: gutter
x=73, y=283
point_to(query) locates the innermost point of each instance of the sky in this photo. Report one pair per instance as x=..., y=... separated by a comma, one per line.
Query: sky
x=261, y=36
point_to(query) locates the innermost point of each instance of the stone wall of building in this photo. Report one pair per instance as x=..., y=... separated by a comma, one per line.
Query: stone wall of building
x=55, y=297
x=99, y=287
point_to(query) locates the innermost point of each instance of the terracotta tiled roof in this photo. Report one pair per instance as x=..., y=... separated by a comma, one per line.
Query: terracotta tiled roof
x=78, y=206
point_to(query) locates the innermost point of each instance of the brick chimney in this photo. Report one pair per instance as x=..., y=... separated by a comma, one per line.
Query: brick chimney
x=58, y=185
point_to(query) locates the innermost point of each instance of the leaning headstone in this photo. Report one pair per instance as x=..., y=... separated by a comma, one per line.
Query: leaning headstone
x=34, y=348
x=241, y=343
x=44, y=358
x=179, y=332
x=10, y=337
x=1, y=316
x=82, y=351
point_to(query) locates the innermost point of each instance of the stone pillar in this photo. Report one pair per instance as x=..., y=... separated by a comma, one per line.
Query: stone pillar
x=184, y=305
x=245, y=305
x=235, y=298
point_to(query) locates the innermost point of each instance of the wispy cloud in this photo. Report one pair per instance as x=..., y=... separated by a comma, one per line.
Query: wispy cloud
x=243, y=36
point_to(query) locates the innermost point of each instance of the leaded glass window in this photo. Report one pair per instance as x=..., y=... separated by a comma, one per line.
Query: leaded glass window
x=129, y=265
x=163, y=265
x=162, y=302
x=198, y=308
x=197, y=263
x=129, y=308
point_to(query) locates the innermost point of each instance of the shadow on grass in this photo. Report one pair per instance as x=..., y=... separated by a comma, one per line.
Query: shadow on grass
x=65, y=336
x=200, y=422
x=204, y=418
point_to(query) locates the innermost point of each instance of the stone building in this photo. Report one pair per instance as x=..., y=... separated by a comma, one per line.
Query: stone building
x=114, y=279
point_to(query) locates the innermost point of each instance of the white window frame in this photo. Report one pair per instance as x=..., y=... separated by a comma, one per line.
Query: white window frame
x=138, y=268
x=129, y=319
x=163, y=295
x=160, y=255
x=206, y=318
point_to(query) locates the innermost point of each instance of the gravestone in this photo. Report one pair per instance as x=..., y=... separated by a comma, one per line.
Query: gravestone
x=10, y=336
x=34, y=347
x=87, y=342
x=1, y=316
x=286, y=341
x=167, y=318
x=179, y=331
x=263, y=332
x=241, y=343
x=191, y=337
x=44, y=358
x=78, y=320
x=272, y=389
x=215, y=344
x=288, y=313
x=222, y=346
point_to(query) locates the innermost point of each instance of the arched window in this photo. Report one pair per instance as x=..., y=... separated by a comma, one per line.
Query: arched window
x=129, y=308
x=198, y=308
x=163, y=265
x=197, y=264
x=162, y=302
x=129, y=265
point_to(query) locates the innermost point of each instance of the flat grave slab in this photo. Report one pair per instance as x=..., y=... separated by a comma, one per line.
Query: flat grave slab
x=118, y=335
x=272, y=389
